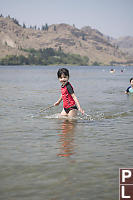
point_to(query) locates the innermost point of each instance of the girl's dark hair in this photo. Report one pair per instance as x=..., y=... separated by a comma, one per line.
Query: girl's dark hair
x=131, y=79
x=63, y=71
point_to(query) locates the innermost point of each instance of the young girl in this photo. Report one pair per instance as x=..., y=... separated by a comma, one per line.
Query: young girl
x=70, y=101
x=130, y=88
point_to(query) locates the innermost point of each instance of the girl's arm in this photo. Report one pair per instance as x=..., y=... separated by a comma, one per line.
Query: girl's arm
x=58, y=102
x=77, y=103
x=127, y=90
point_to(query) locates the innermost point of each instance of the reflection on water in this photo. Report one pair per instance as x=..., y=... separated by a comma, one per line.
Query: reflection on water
x=66, y=138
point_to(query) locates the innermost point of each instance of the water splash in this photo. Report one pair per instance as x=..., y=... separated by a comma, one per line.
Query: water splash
x=98, y=116
x=92, y=116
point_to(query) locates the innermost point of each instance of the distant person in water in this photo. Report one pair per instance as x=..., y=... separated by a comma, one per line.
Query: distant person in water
x=70, y=101
x=130, y=88
x=112, y=70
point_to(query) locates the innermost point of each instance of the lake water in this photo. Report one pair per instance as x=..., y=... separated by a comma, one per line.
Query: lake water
x=44, y=157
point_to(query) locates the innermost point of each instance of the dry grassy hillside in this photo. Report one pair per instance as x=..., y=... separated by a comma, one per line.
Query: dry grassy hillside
x=86, y=41
x=125, y=44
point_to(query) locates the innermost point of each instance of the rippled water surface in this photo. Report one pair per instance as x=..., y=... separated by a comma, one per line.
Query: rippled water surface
x=43, y=156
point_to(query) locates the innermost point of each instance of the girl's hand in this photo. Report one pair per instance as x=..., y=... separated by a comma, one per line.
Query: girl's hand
x=57, y=103
x=82, y=111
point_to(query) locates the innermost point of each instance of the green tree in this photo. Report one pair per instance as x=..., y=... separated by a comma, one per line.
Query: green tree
x=24, y=26
x=46, y=27
x=54, y=28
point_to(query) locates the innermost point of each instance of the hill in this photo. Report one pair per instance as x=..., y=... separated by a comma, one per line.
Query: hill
x=85, y=42
x=125, y=44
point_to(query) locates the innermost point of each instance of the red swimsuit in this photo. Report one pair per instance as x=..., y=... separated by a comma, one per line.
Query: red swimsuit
x=68, y=100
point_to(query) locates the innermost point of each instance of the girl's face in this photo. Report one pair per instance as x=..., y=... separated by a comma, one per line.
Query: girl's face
x=63, y=79
x=131, y=83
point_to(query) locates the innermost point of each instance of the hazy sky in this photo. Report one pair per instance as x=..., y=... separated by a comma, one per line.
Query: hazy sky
x=111, y=17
